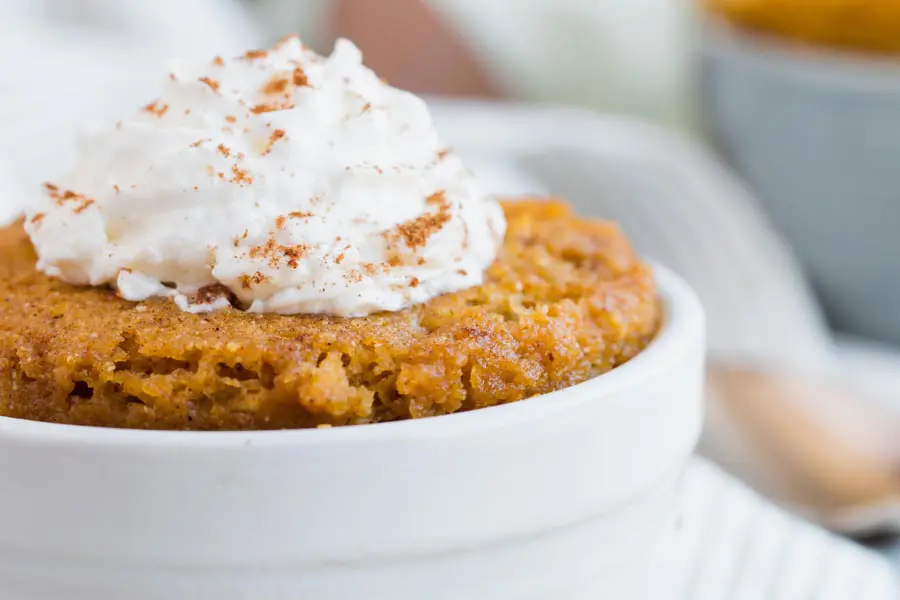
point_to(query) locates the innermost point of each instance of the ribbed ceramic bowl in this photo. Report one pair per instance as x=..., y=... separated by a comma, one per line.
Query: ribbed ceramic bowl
x=817, y=135
x=561, y=497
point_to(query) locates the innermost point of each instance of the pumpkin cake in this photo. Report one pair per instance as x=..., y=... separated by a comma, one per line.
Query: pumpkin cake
x=566, y=300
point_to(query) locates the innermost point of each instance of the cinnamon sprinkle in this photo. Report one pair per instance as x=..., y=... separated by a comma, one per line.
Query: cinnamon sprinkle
x=247, y=281
x=223, y=150
x=274, y=137
x=293, y=254
x=116, y=187
x=413, y=282
x=159, y=111
x=436, y=199
x=275, y=252
x=243, y=236
x=217, y=61
x=37, y=218
x=299, y=77
x=279, y=222
x=264, y=108
x=82, y=206
x=415, y=232
x=240, y=176
x=297, y=214
x=254, y=54
x=212, y=83
x=230, y=119
x=277, y=85
x=68, y=196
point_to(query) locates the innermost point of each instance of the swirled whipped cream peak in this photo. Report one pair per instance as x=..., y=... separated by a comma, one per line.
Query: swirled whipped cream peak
x=279, y=181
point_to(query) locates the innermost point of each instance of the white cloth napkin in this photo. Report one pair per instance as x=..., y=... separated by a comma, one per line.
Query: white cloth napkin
x=735, y=545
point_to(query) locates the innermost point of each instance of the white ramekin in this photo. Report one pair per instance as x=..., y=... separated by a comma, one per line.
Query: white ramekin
x=561, y=497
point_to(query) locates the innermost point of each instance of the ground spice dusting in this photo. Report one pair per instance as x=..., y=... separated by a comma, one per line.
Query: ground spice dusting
x=37, y=218
x=247, y=281
x=277, y=85
x=243, y=236
x=82, y=205
x=116, y=187
x=415, y=232
x=275, y=252
x=299, y=77
x=217, y=61
x=153, y=107
x=293, y=254
x=413, y=282
x=254, y=54
x=264, y=108
x=240, y=176
x=199, y=142
x=297, y=214
x=212, y=83
x=223, y=150
x=442, y=154
x=279, y=222
x=68, y=196
x=230, y=119
x=274, y=137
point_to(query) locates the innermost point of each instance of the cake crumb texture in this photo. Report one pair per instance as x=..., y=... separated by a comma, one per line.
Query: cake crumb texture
x=566, y=300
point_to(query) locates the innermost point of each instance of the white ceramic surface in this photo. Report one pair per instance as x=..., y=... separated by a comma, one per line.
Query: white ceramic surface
x=561, y=497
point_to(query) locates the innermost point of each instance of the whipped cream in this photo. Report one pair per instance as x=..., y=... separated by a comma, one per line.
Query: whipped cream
x=280, y=181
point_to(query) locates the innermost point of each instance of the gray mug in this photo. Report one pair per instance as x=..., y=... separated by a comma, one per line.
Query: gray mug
x=817, y=136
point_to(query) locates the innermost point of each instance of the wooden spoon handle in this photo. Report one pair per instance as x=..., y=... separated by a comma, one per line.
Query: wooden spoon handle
x=794, y=447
